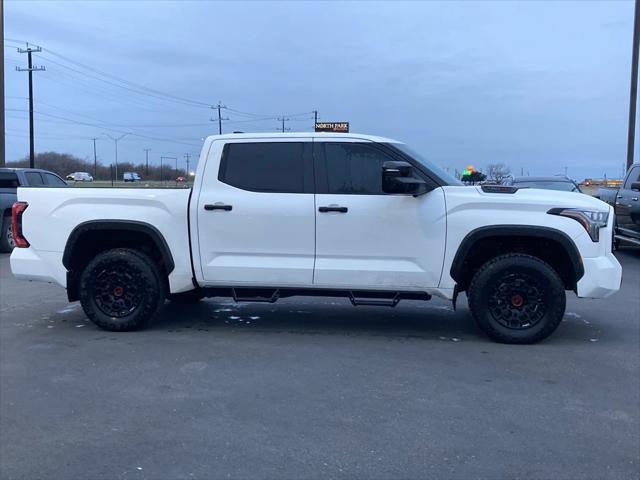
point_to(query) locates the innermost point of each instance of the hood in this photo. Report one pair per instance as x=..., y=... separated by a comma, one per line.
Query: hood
x=525, y=199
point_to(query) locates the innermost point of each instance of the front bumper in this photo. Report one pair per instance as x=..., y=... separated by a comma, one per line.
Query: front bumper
x=602, y=277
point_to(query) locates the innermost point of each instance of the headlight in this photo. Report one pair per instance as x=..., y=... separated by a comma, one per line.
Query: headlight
x=592, y=221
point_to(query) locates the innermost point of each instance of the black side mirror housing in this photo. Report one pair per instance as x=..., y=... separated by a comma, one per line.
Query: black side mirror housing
x=635, y=186
x=398, y=177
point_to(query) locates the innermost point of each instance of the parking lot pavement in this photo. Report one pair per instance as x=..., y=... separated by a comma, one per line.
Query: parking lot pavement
x=313, y=388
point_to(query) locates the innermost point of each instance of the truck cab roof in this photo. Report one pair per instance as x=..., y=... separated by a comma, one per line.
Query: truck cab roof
x=323, y=135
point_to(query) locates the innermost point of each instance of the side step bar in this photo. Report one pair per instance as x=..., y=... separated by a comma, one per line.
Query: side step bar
x=273, y=294
x=632, y=241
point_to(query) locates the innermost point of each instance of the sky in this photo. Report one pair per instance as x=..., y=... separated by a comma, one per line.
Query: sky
x=539, y=86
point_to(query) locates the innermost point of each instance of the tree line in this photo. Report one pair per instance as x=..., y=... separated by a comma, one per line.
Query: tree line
x=64, y=163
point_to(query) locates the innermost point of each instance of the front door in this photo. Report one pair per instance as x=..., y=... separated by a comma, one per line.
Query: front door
x=366, y=239
x=256, y=222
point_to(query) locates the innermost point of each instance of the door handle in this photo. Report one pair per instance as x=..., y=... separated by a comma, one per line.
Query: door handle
x=333, y=209
x=218, y=206
x=619, y=196
x=635, y=199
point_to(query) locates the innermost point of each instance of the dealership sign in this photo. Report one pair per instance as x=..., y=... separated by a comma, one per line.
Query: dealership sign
x=341, y=127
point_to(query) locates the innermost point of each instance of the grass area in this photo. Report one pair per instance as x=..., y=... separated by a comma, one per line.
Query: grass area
x=121, y=184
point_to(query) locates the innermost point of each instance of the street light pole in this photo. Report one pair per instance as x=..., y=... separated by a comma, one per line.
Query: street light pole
x=633, y=93
x=115, y=140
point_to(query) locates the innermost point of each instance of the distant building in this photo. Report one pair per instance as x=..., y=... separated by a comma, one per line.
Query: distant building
x=601, y=182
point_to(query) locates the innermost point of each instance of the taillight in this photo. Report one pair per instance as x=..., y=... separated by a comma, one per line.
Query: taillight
x=16, y=224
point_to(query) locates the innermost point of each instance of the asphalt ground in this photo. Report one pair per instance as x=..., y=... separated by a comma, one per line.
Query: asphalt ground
x=316, y=388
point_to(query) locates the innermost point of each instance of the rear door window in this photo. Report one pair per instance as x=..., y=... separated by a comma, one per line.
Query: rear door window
x=276, y=167
x=34, y=179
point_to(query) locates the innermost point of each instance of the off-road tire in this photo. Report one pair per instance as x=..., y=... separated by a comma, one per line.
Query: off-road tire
x=121, y=289
x=192, y=296
x=532, y=284
x=7, y=244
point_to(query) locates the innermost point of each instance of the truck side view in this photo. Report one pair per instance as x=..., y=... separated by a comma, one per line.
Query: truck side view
x=626, y=204
x=325, y=214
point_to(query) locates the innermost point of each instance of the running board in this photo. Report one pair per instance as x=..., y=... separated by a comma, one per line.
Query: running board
x=632, y=241
x=356, y=297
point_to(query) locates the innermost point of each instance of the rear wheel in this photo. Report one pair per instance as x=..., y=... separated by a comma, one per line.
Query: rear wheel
x=121, y=289
x=517, y=298
x=7, y=243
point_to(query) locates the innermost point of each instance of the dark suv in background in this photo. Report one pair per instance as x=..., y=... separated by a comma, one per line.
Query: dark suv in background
x=10, y=180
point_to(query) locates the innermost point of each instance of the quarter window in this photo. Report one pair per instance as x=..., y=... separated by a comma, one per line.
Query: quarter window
x=264, y=167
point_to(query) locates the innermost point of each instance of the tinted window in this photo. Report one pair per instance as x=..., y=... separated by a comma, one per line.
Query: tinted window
x=34, y=179
x=354, y=168
x=53, y=181
x=634, y=176
x=264, y=167
x=8, y=180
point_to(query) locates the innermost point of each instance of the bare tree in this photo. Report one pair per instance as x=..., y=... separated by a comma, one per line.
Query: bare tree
x=498, y=172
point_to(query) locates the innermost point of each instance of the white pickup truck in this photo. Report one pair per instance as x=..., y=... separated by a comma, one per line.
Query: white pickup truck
x=325, y=214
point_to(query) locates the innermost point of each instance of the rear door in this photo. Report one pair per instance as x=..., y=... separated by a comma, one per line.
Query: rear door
x=628, y=204
x=366, y=239
x=255, y=211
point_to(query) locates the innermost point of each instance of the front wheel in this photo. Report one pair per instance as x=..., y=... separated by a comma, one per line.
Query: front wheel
x=517, y=298
x=121, y=289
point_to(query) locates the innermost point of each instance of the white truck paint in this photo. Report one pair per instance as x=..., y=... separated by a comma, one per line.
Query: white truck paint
x=384, y=242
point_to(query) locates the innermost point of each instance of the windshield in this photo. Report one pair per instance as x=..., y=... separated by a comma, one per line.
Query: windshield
x=549, y=185
x=430, y=166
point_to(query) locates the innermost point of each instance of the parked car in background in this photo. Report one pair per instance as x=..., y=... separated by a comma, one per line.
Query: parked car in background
x=626, y=204
x=180, y=179
x=562, y=184
x=10, y=180
x=80, y=177
x=131, y=177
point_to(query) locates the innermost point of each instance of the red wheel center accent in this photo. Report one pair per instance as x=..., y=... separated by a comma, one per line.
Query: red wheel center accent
x=118, y=291
x=517, y=300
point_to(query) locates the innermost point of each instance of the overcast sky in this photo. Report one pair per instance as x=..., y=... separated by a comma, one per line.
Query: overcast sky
x=536, y=85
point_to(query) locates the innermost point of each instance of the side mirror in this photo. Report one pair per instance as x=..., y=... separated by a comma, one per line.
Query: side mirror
x=635, y=186
x=398, y=177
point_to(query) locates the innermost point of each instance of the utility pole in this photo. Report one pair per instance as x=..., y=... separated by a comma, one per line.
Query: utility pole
x=95, y=160
x=283, y=119
x=315, y=118
x=116, y=140
x=30, y=68
x=220, y=119
x=633, y=94
x=187, y=156
x=2, y=146
x=146, y=151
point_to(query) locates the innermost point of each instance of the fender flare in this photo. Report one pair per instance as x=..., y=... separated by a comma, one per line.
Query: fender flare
x=119, y=225
x=541, y=232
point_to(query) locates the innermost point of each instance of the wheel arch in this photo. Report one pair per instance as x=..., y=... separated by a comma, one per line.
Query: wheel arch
x=491, y=240
x=90, y=238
